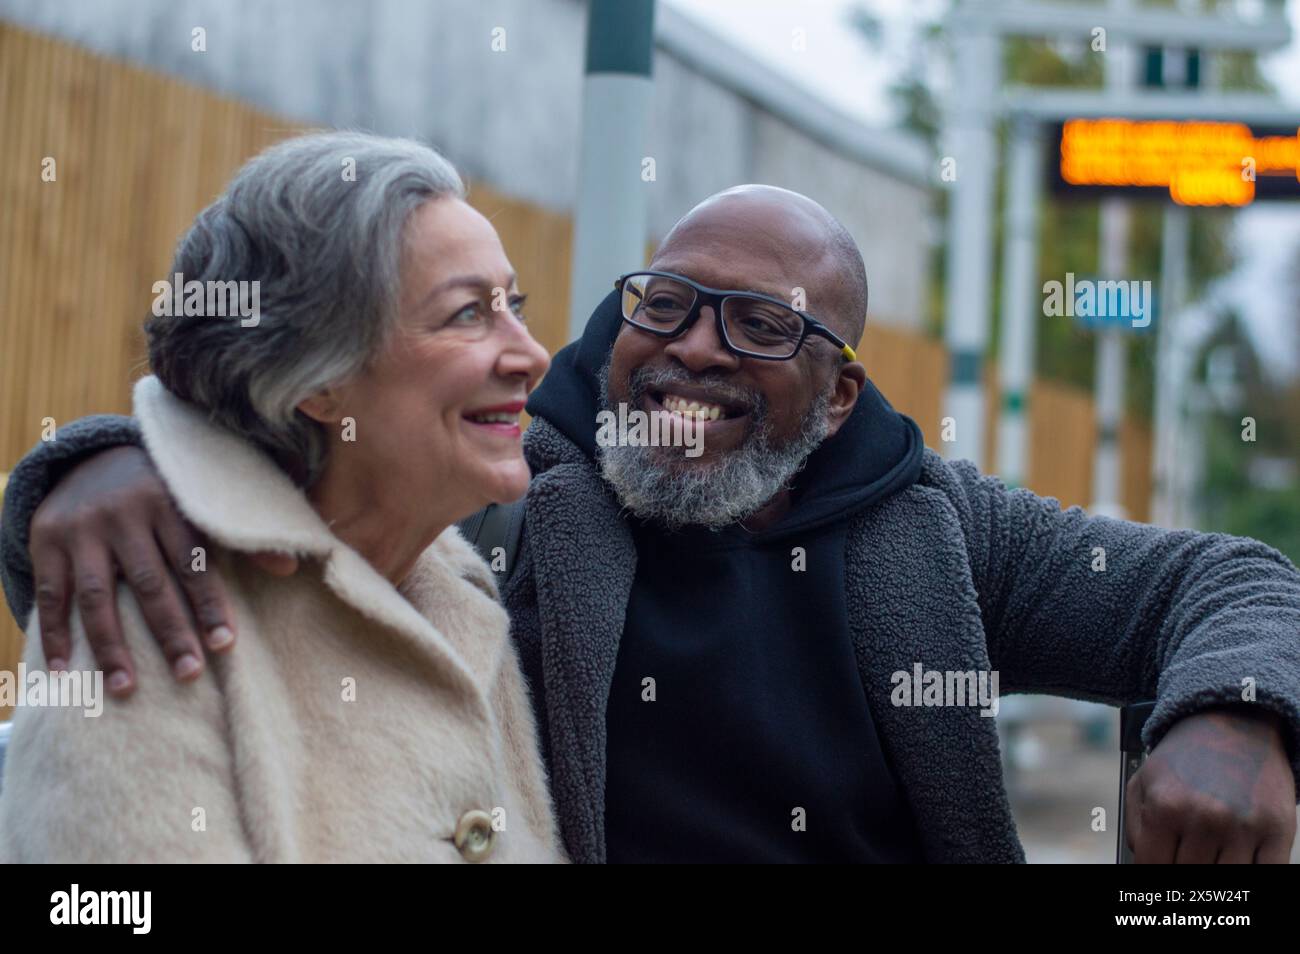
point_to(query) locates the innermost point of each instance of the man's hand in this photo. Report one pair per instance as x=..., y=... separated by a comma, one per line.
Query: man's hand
x=111, y=513
x=1216, y=789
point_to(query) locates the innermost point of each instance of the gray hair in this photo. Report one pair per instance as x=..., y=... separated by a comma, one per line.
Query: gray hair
x=318, y=222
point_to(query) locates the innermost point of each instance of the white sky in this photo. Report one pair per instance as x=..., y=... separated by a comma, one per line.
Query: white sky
x=841, y=67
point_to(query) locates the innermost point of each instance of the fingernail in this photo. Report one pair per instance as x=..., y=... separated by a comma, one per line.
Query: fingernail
x=118, y=681
x=58, y=664
x=220, y=637
x=186, y=666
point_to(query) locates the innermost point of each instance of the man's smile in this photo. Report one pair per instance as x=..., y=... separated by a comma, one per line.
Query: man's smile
x=717, y=419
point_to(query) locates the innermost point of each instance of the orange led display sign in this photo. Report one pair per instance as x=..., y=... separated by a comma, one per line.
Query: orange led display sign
x=1193, y=162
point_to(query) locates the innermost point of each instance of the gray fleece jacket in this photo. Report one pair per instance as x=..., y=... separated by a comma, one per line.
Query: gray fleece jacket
x=955, y=572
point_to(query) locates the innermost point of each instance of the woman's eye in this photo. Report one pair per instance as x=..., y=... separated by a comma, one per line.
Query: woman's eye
x=467, y=315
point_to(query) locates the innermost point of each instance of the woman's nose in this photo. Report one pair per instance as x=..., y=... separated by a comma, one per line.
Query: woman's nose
x=523, y=354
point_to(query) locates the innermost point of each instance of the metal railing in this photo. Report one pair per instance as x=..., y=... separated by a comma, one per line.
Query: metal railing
x=1132, y=754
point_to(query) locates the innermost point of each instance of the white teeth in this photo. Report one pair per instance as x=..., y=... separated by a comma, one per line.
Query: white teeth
x=692, y=409
x=495, y=418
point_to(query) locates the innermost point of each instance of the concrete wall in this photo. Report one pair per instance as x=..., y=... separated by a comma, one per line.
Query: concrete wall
x=426, y=68
x=886, y=217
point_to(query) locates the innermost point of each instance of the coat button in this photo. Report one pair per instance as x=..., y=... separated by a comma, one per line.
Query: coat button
x=475, y=838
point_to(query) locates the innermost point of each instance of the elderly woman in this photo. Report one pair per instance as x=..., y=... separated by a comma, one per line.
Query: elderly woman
x=375, y=709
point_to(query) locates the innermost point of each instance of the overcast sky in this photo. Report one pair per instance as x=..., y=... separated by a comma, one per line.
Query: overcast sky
x=839, y=66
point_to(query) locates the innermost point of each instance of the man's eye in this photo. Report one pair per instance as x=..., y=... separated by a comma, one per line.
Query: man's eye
x=664, y=303
x=517, y=306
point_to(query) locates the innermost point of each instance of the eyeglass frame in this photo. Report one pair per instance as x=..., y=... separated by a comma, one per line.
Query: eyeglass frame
x=716, y=297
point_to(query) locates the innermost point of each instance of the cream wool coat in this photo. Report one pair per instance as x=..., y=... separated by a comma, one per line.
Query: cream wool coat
x=264, y=758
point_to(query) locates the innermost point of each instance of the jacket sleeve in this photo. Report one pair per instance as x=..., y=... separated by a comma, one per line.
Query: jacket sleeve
x=1114, y=611
x=148, y=779
x=33, y=477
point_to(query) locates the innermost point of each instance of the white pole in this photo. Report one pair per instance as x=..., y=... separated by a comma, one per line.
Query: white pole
x=1021, y=299
x=1110, y=371
x=1173, y=290
x=972, y=146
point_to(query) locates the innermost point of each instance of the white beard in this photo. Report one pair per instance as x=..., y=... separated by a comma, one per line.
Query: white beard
x=657, y=484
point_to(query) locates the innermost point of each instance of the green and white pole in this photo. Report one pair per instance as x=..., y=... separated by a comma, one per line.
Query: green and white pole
x=609, y=222
x=1171, y=378
x=1110, y=371
x=1021, y=299
x=971, y=142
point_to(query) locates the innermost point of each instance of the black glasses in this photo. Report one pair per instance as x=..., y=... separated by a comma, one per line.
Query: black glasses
x=749, y=324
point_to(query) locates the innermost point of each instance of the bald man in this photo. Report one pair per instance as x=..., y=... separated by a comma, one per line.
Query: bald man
x=788, y=646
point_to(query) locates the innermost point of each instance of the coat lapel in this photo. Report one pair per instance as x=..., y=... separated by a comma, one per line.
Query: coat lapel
x=911, y=600
x=584, y=580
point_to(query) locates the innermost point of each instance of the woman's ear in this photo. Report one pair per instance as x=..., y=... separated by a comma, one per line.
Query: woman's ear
x=322, y=407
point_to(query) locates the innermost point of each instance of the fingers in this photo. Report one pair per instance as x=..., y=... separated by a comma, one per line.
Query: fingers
x=1275, y=848
x=1155, y=845
x=1169, y=824
x=95, y=597
x=53, y=578
x=1151, y=838
x=72, y=537
x=188, y=553
x=161, y=601
x=1199, y=846
x=111, y=515
x=1238, y=851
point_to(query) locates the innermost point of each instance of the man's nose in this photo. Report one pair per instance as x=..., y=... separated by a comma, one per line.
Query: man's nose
x=700, y=348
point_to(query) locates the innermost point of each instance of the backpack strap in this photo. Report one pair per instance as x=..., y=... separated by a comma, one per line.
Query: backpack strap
x=496, y=525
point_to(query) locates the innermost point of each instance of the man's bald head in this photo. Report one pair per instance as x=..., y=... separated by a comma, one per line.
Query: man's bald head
x=782, y=238
x=766, y=416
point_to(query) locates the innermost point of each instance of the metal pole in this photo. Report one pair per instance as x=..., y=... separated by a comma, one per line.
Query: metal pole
x=1173, y=289
x=1109, y=383
x=1021, y=299
x=973, y=146
x=1110, y=379
x=609, y=230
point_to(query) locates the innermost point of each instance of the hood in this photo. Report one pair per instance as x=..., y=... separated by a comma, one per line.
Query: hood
x=876, y=453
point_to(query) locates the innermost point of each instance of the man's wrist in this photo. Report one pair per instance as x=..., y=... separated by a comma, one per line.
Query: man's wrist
x=1259, y=719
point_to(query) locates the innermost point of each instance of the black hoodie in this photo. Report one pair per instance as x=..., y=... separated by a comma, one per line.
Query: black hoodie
x=754, y=740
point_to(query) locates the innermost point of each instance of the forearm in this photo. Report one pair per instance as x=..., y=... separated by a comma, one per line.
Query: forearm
x=1118, y=611
x=32, y=479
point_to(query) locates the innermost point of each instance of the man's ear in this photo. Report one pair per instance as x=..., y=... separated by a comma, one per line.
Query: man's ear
x=322, y=407
x=851, y=379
